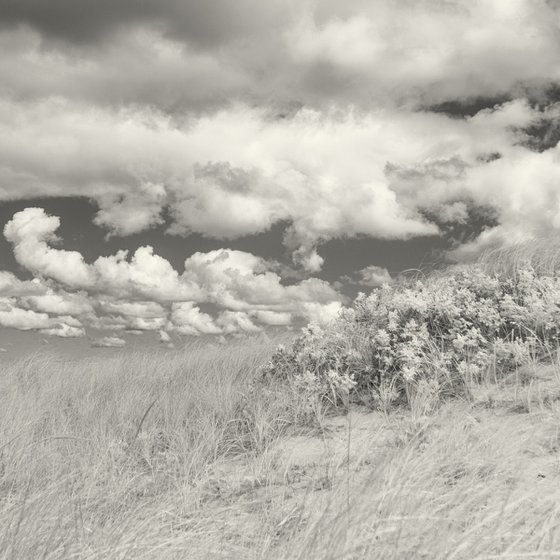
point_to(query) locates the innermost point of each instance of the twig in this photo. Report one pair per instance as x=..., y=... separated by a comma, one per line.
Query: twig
x=142, y=421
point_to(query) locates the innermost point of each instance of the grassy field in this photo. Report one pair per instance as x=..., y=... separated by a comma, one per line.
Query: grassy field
x=423, y=423
x=178, y=455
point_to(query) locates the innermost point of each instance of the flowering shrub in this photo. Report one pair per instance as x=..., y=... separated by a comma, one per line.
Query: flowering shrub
x=445, y=330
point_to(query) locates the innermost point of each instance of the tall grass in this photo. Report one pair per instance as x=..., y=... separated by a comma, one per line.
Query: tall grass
x=181, y=455
x=463, y=484
x=99, y=457
x=543, y=255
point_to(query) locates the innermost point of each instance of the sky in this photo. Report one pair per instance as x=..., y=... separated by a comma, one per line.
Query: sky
x=205, y=168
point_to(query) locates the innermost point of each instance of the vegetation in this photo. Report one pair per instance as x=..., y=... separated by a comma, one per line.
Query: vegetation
x=423, y=423
x=432, y=336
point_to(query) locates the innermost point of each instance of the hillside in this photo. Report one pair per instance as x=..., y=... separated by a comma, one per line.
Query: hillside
x=224, y=452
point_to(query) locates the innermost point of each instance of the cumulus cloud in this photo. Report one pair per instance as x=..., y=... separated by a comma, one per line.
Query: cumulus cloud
x=144, y=292
x=63, y=330
x=22, y=319
x=58, y=303
x=29, y=232
x=321, y=314
x=373, y=276
x=134, y=211
x=11, y=285
x=233, y=279
x=237, y=321
x=164, y=337
x=186, y=318
x=274, y=318
x=16, y=317
x=108, y=342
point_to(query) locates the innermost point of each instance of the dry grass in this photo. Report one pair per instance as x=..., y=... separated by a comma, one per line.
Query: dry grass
x=171, y=456
x=543, y=254
x=107, y=458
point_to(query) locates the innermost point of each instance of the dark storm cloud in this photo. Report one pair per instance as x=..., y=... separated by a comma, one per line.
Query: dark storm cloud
x=184, y=55
x=197, y=21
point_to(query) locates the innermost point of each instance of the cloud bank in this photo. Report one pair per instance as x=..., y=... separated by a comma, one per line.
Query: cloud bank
x=144, y=292
x=238, y=171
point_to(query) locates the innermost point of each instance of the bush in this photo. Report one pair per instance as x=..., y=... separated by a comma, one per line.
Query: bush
x=443, y=331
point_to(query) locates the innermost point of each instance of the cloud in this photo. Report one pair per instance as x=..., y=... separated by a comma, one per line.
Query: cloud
x=315, y=53
x=189, y=20
x=273, y=318
x=186, y=318
x=242, y=281
x=29, y=231
x=238, y=171
x=144, y=292
x=237, y=321
x=373, y=276
x=10, y=285
x=63, y=330
x=61, y=303
x=124, y=214
x=233, y=279
x=164, y=337
x=22, y=319
x=321, y=314
x=427, y=51
x=15, y=317
x=109, y=342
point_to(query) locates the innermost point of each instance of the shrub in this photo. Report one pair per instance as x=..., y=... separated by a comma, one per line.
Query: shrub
x=445, y=331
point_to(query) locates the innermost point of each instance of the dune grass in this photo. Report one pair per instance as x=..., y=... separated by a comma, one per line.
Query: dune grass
x=100, y=457
x=178, y=455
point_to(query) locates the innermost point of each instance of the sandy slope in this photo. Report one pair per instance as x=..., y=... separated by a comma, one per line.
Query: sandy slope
x=477, y=479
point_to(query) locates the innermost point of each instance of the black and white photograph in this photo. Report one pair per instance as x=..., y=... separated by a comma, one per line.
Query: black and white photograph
x=279, y=279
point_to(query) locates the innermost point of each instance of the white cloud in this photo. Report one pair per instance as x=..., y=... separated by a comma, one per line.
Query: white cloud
x=241, y=281
x=140, y=309
x=133, y=212
x=164, y=337
x=29, y=231
x=237, y=171
x=426, y=51
x=13, y=316
x=321, y=314
x=23, y=319
x=11, y=285
x=145, y=274
x=233, y=279
x=145, y=293
x=373, y=276
x=186, y=318
x=273, y=318
x=63, y=330
x=237, y=321
x=109, y=342
x=61, y=303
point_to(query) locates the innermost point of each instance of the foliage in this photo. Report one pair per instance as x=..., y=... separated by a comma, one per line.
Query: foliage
x=441, y=331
